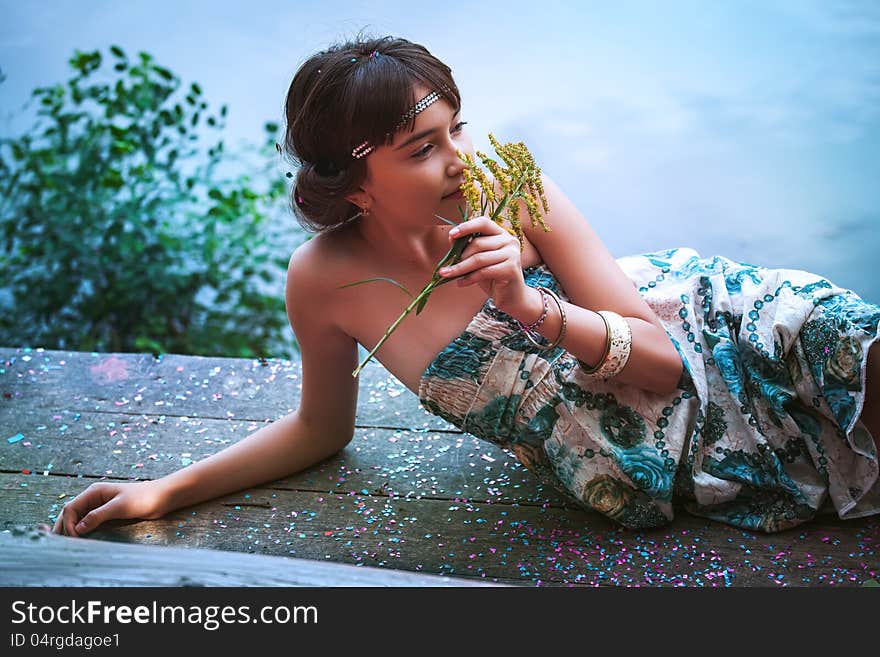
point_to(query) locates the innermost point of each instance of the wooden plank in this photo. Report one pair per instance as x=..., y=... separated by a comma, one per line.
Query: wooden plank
x=191, y=386
x=424, y=500
x=29, y=557
x=525, y=544
x=381, y=461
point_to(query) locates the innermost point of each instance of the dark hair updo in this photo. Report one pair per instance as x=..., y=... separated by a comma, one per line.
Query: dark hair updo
x=340, y=97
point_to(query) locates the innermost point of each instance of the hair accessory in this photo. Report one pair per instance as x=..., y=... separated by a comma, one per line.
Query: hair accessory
x=561, y=335
x=375, y=53
x=618, y=345
x=420, y=106
x=365, y=147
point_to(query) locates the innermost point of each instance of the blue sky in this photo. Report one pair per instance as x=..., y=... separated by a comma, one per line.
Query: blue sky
x=746, y=129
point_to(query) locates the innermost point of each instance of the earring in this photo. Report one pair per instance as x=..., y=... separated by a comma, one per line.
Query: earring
x=365, y=211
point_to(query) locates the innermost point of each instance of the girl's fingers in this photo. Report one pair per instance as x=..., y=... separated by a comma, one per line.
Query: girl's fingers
x=481, y=224
x=490, y=272
x=94, y=496
x=70, y=519
x=483, y=243
x=95, y=517
x=476, y=262
x=482, y=251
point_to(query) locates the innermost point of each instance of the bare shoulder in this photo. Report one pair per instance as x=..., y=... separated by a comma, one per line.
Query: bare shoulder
x=319, y=264
x=320, y=253
x=313, y=272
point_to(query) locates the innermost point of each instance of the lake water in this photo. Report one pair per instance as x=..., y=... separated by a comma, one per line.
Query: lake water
x=747, y=129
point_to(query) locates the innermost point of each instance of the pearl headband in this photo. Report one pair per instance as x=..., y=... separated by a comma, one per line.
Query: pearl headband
x=365, y=147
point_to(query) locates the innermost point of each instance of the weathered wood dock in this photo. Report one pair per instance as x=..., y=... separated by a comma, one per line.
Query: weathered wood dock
x=410, y=496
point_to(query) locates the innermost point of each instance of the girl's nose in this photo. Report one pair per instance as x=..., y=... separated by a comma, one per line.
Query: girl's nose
x=455, y=166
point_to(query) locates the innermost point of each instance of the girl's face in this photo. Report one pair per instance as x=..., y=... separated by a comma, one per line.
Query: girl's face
x=407, y=180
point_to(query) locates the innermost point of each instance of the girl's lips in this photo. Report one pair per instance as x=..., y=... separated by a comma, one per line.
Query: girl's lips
x=456, y=194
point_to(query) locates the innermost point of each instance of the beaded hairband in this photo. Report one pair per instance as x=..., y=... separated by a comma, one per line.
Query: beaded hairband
x=365, y=148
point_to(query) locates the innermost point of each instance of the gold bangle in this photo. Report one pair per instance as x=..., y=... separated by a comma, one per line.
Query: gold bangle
x=561, y=335
x=592, y=370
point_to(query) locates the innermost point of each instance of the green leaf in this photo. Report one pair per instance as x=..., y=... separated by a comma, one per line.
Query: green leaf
x=378, y=278
x=448, y=221
x=116, y=50
x=123, y=147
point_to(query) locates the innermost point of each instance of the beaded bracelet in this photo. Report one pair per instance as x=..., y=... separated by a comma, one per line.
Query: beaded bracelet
x=561, y=330
x=540, y=320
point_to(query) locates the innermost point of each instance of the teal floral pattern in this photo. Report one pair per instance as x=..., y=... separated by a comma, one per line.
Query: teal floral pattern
x=761, y=431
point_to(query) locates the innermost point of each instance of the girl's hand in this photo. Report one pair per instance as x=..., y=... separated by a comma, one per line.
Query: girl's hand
x=105, y=501
x=491, y=260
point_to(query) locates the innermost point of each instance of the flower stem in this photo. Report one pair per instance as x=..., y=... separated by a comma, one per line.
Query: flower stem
x=426, y=291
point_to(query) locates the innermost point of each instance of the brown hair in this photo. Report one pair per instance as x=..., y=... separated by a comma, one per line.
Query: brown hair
x=340, y=97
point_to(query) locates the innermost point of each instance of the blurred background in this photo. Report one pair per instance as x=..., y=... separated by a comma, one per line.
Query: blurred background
x=746, y=129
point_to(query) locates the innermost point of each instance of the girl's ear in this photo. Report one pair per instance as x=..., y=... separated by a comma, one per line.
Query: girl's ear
x=359, y=198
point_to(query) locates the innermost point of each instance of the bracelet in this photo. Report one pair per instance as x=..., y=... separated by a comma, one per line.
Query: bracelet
x=561, y=330
x=592, y=370
x=618, y=347
x=540, y=320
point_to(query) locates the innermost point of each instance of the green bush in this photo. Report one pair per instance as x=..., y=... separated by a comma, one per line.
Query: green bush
x=118, y=232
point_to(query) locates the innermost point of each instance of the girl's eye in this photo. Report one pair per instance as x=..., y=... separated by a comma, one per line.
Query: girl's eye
x=427, y=148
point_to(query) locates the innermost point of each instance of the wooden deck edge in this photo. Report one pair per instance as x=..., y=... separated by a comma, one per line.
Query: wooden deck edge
x=33, y=556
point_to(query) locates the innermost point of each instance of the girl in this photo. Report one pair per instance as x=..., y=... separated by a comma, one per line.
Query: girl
x=749, y=394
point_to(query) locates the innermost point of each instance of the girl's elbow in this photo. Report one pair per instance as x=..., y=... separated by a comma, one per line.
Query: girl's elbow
x=676, y=369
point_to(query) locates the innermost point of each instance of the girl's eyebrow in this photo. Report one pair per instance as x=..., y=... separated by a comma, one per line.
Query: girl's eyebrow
x=423, y=133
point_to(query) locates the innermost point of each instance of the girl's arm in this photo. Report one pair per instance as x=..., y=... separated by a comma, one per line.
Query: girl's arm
x=321, y=426
x=284, y=447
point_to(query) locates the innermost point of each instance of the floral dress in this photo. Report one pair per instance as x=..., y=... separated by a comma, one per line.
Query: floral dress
x=761, y=431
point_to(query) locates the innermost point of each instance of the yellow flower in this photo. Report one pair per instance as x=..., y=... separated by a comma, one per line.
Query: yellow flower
x=520, y=178
x=513, y=218
x=497, y=173
x=486, y=184
x=503, y=152
x=470, y=191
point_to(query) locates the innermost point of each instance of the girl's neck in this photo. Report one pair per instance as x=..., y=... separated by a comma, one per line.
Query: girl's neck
x=419, y=248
